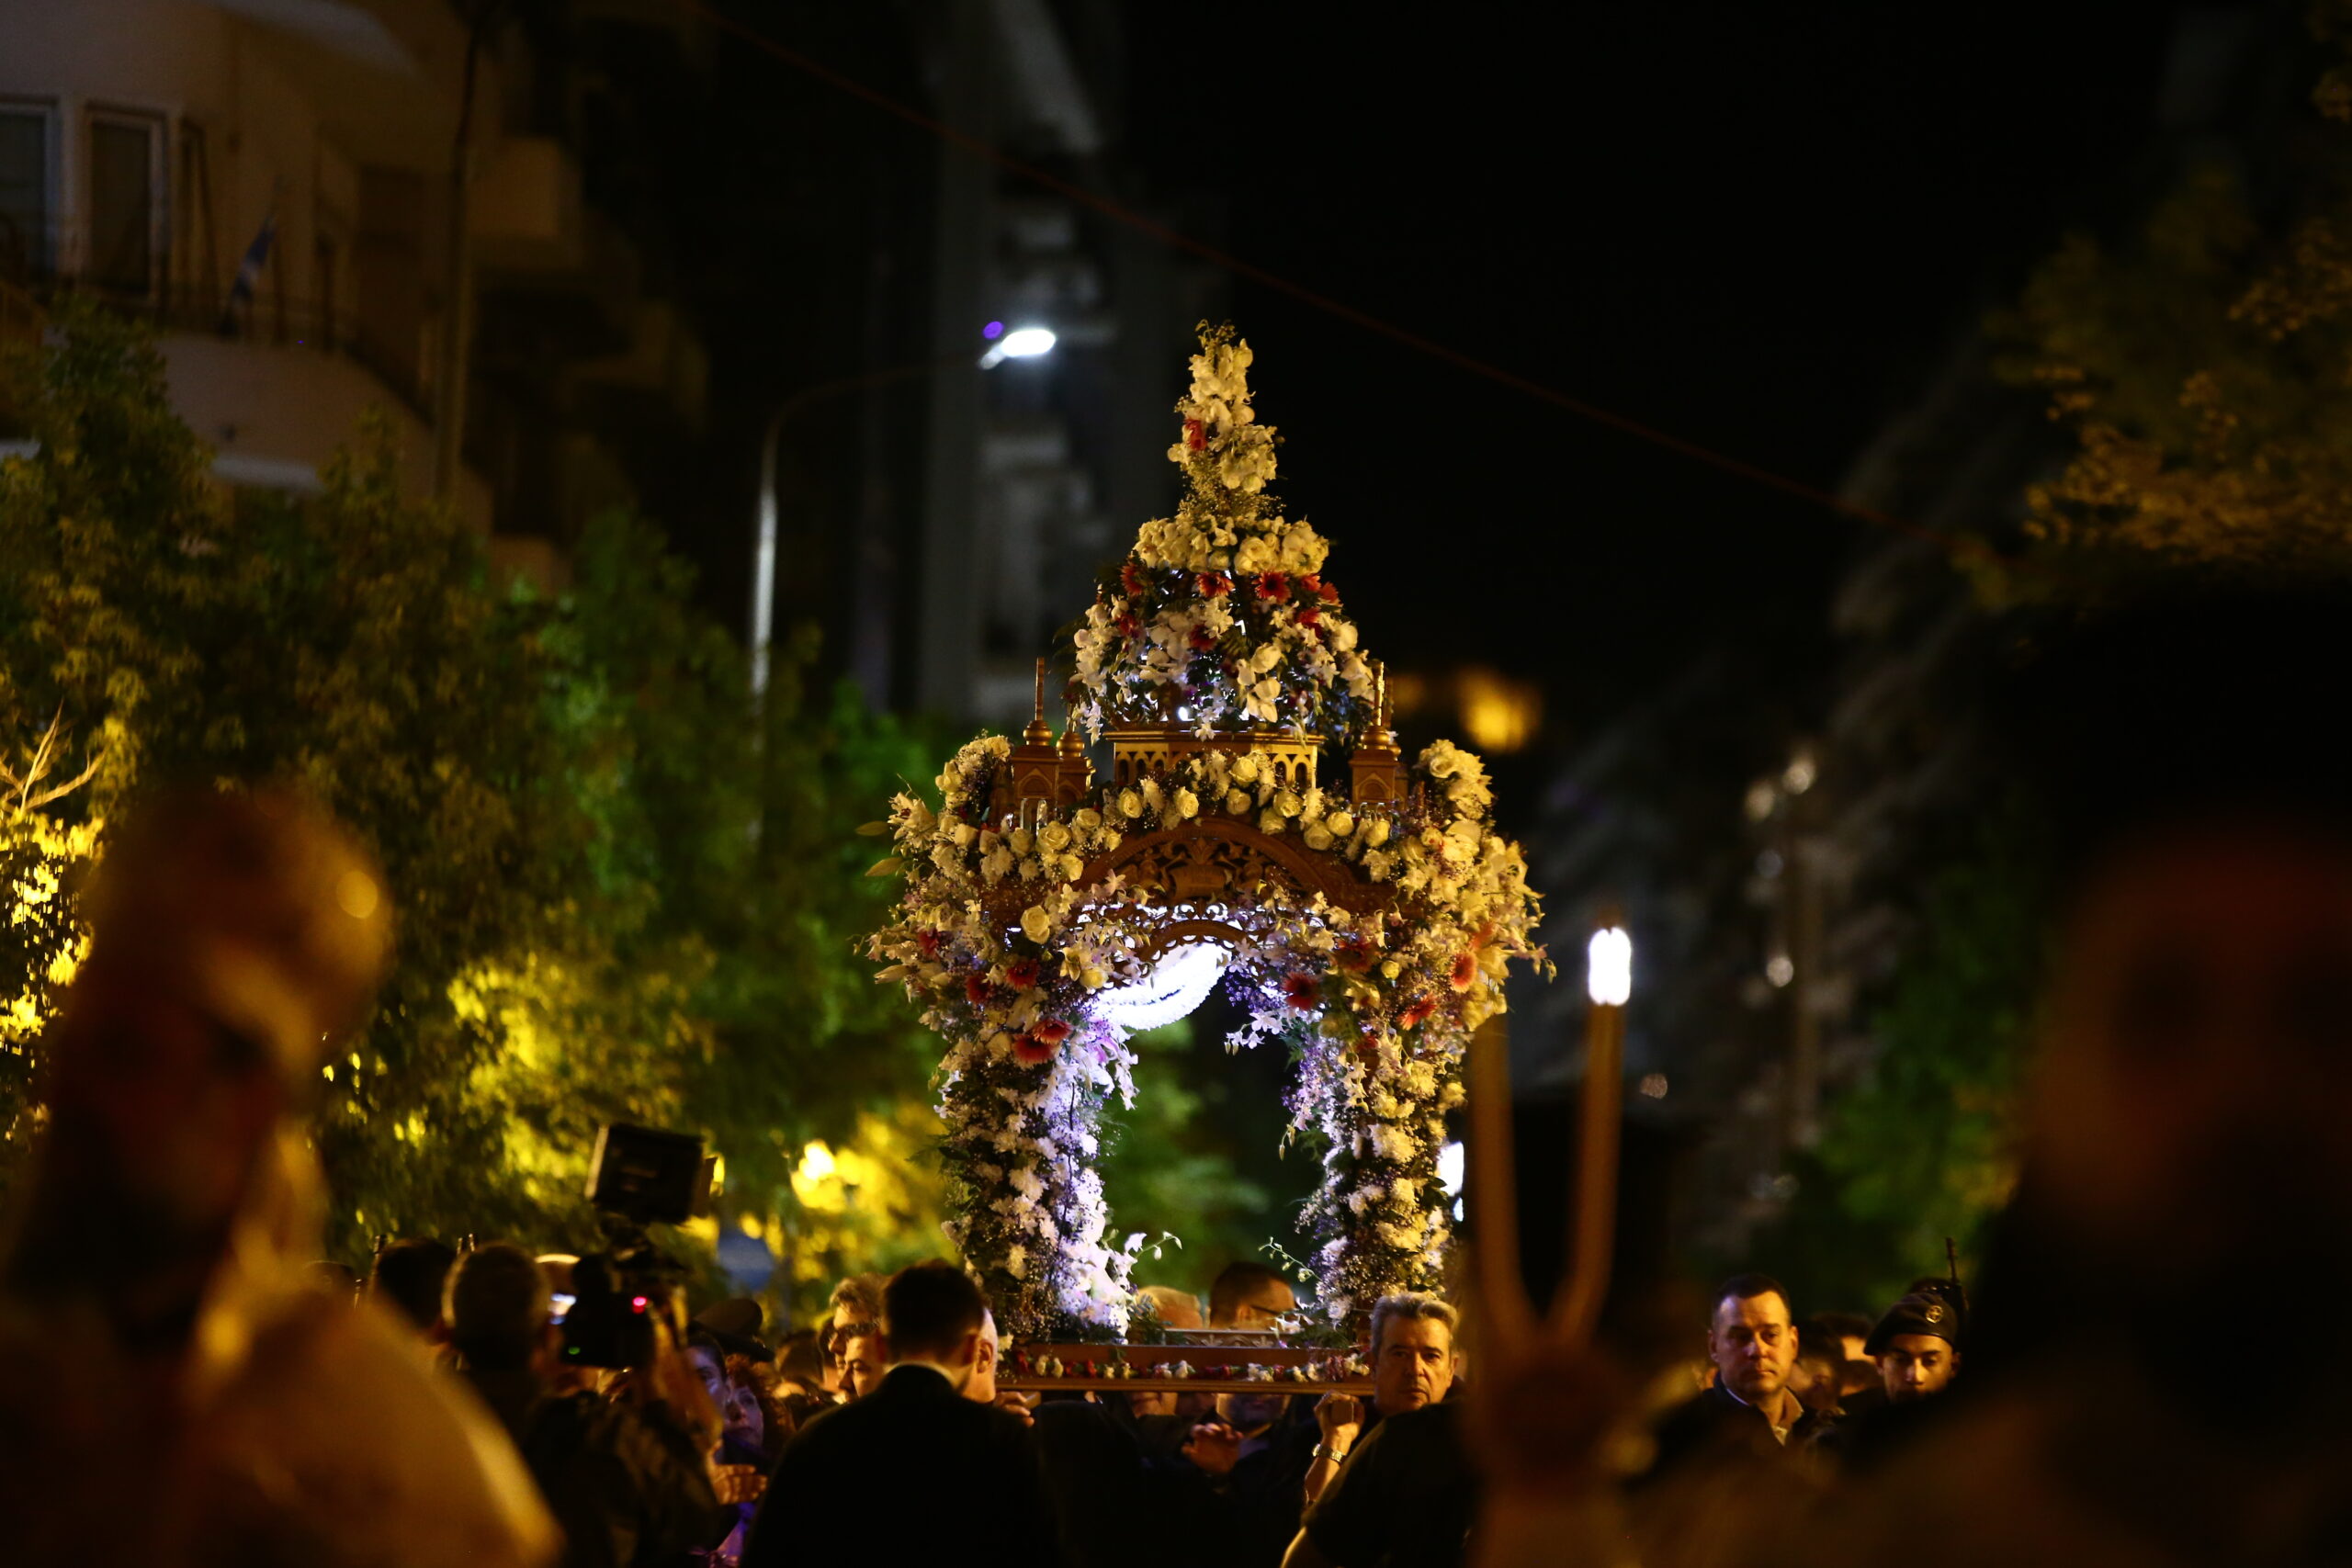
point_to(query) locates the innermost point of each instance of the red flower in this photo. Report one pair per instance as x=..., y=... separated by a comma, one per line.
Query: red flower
x=1309, y=616
x=1213, y=584
x=1466, y=970
x=1029, y=1048
x=1274, y=587
x=1052, y=1030
x=1196, y=436
x=1021, y=974
x=1302, y=992
x=1130, y=579
x=977, y=991
x=1354, y=954
x=1417, y=1012
x=1368, y=1046
x=929, y=941
x=1126, y=626
x=1200, y=639
x=1325, y=592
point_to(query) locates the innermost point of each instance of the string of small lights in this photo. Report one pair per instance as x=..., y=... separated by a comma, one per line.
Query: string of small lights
x=1142, y=224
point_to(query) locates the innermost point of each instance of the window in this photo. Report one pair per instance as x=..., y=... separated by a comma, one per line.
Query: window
x=126, y=202
x=25, y=164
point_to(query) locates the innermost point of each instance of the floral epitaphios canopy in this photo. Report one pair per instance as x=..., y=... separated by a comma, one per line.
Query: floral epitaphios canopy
x=1366, y=919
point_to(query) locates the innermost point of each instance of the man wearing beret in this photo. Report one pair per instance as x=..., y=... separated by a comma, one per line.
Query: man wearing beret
x=1917, y=1346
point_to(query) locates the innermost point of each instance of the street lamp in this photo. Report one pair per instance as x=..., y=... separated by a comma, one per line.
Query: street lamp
x=1020, y=342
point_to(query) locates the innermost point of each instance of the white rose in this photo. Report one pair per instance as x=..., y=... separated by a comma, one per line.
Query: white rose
x=1272, y=822
x=1036, y=924
x=1256, y=554
x=1245, y=769
x=1375, y=832
x=1237, y=802
x=965, y=834
x=1286, y=802
x=1130, y=803
x=1088, y=819
x=1072, y=868
x=1341, y=824
x=1019, y=839
x=1054, y=836
x=1188, y=805
x=1319, y=836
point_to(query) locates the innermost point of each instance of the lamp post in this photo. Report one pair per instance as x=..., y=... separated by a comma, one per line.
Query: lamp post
x=1020, y=342
x=457, y=274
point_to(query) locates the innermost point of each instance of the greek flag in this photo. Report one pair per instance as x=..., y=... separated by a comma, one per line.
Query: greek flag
x=241, y=292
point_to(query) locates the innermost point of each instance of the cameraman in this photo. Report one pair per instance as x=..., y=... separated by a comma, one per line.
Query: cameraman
x=630, y=1480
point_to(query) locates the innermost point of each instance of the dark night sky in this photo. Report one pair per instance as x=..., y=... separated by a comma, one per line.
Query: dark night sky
x=1752, y=225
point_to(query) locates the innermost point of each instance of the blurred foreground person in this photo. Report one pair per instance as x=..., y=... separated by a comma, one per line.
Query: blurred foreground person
x=912, y=1473
x=2188, y=1153
x=628, y=1479
x=172, y=1391
x=2189, y=1124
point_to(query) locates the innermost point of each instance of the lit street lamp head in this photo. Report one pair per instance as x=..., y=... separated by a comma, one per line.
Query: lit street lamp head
x=1020, y=342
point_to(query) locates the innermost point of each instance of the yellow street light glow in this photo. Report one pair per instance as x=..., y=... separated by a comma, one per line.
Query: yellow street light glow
x=1499, y=713
x=816, y=1165
x=1609, y=966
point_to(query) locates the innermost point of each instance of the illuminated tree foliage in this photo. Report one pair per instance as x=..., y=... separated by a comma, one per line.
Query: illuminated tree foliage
x=621, y=893
x=2205, y=369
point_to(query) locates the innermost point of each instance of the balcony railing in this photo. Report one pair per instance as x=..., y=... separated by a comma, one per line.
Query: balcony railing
x=269, y=320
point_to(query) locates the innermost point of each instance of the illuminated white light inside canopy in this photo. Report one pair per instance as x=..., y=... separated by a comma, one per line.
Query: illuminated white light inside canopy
x=1450, y=1161
x=1180, y=982
x=1609, y=976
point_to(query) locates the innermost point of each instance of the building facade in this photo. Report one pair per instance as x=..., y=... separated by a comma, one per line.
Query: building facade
x=271, y=186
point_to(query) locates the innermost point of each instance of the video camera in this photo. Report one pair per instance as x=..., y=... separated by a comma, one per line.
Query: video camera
x=640, y=1177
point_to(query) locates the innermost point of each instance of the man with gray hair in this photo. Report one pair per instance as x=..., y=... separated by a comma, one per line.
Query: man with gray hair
x=1414, y=1363
x=1395, y=1483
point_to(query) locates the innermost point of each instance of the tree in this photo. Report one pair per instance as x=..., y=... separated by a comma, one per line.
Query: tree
x=617, y=896
x=2205, y=369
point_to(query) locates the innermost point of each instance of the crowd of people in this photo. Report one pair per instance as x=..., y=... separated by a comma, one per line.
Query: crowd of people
x=180, y=1385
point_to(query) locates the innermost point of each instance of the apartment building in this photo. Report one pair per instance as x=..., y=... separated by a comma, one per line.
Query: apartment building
x=269, y=182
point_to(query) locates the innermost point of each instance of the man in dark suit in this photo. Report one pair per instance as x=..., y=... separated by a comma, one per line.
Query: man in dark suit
x=914, y=1472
